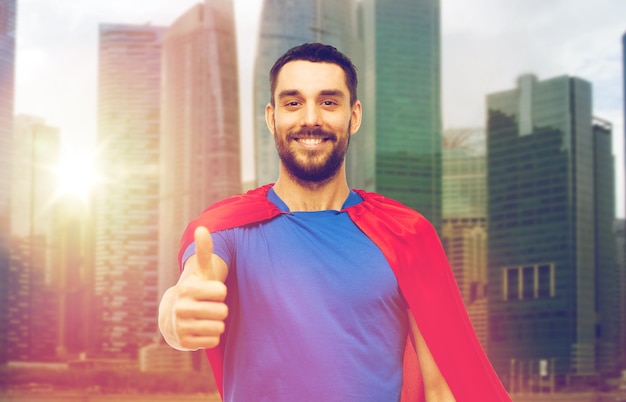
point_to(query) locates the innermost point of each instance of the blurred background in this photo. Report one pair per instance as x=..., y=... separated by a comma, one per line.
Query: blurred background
x=120, y=121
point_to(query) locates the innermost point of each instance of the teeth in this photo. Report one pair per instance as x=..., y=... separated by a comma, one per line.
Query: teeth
x=311, y=141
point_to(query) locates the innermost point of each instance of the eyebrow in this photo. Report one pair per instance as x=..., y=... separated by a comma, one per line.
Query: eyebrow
x=289, y=92
x=325, y=92
x=333, y=92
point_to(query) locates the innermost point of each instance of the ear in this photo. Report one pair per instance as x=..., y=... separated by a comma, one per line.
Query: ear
x=269, y=117
x=357, y=115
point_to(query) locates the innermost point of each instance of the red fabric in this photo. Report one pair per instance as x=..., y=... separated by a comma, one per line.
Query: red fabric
x=413, y=250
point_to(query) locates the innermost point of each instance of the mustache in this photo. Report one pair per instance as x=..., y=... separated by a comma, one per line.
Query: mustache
x=312, y=133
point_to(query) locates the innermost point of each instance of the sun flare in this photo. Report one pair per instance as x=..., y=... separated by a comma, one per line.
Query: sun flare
x=76, y=175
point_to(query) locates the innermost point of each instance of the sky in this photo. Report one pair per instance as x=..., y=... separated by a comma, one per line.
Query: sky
x=486, y=45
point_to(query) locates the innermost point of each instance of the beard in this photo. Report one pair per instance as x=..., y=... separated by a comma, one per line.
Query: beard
x=312, y=166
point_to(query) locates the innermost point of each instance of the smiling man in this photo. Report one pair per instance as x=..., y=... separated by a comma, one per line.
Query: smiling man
x=311, y=124
x=306, y=290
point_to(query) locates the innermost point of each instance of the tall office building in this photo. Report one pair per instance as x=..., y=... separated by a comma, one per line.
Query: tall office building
x=607, y=269
x=464, y=173
x=8, y=10
x=32, y=279
x=623, y=281
x=127, y=205
x=200, y=138
x=464, y=232
x=619, y=231
x=543, y=250
x=401, y=83
x=623, y=167
x=283, y=26
x=78, y=322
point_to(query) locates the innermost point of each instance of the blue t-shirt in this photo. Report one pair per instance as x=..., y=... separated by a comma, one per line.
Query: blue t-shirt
x=315, y=311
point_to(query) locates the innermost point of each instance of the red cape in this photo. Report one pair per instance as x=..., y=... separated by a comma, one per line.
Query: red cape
x=414, y=252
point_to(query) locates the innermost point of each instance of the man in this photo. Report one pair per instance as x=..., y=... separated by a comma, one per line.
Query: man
x=308, y=291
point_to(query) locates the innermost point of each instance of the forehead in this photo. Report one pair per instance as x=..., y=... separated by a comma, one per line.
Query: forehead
x=309, y=77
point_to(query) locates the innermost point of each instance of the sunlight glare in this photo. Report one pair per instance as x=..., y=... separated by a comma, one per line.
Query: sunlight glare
x=77, y=175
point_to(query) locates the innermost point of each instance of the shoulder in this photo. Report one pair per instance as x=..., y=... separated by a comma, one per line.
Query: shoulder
x=232, y=212
x=238, y=210
x=387, y=205
x=383, y=212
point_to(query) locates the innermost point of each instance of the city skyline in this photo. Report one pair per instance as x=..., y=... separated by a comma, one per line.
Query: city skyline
x=484, y=39
x=545, y=193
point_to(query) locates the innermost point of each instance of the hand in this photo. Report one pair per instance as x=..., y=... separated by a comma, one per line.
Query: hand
x=198, y=310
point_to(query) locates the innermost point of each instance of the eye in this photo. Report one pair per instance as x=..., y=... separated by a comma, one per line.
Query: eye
x=291, y=104
x=329, y=103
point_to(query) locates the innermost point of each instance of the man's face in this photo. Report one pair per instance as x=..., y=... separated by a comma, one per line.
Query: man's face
x=312, y=119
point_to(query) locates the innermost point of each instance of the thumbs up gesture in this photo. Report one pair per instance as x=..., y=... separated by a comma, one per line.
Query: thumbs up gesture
x=192, y=313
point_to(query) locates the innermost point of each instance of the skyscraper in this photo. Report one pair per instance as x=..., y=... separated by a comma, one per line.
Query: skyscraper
x=126, y=224
x=619, y=231
x=464, y=232
x=32, y=279
x=623, y=262
x=78, y=322
x=283, y=26
x=200, y=139
x=607, y=270
x=401, y=88
x=542, y=212
x=623, y=167
x=8, y=10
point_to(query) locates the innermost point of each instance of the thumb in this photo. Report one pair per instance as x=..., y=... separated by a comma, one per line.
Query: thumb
x=204, y=251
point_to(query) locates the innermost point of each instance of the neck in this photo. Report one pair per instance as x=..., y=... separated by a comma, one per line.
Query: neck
x=308, y=197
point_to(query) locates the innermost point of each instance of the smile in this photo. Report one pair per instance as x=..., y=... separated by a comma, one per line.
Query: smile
x=310, y=141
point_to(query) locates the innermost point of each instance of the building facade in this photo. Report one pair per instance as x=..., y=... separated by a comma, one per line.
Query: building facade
x=464, y=231
x=401, y=152
x=542, y=252
x=200, y=138
x=607, y=269
x=285, y=25
x=8, y=14
x=127, y=200
x=619, y=231
x=622, y=261
x=32, y=279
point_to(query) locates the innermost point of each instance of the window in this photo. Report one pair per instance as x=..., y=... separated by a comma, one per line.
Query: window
x=528, y=282
x=512, y=279
x=545, y=281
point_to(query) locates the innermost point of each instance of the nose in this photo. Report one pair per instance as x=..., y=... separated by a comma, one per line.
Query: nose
x=311, y=116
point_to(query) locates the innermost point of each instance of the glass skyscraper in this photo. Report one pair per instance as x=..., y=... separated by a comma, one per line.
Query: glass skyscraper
x=400, y=155
x=464, y=232
x=285, y=24
x=8, y=11
x=607, y=270
x=543, y=222
x=33, y=277
x=127, y=205
x=200, y=141
x=623, y=281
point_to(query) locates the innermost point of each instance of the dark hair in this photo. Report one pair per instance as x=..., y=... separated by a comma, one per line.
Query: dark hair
x=317, y=53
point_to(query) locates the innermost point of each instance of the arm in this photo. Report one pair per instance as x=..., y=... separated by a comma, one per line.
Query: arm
x=435, y=386
x=192, y=312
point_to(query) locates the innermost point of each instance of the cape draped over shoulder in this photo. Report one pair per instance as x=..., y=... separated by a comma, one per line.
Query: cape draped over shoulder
x=413, y=250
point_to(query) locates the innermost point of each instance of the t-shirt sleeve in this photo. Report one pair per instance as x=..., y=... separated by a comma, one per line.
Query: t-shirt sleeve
x=189, y=251
x=223, y=246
